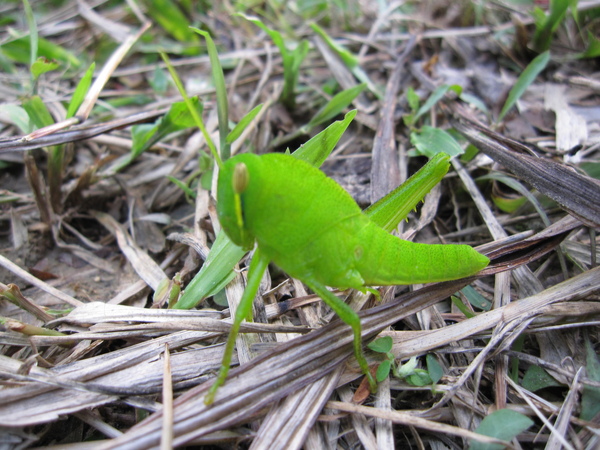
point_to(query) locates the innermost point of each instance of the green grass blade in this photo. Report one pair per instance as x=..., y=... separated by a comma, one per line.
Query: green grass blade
x=241, y=126
x=181, y=185
x=291, y=60
x=524, y=81
x=336, y=105
x=521, y=189
x=37, y=111
x=33, y=33
x=435, y=97
x=593, y=47
x=172, y=20
x=545, y=29
x=20, y=51
x=318, y=148
x=349, y=59
x=40, y=116
x=80, y=91
x=216, y=272
x=221, y=91
x=18, y=117
x=192, y=110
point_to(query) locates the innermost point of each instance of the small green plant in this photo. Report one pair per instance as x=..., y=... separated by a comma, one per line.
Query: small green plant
x=408, y=371
x=546, y=24
x=292, y=59
x=528, y=76
x=429, y=140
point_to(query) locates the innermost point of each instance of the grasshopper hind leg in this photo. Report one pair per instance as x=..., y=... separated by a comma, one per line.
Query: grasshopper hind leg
x=349, y=316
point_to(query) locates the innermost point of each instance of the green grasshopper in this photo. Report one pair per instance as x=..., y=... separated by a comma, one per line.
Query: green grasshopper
x=307, y=224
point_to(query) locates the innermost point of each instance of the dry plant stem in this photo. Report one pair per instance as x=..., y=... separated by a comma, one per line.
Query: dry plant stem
x=142, y=263
x=13, y=294
x=288, y=422
x=77, y=134
x=409, y=419
x=107, y=71
x=166, y=439
x=566, y=412
x=383, y=428
x=36, y=182
x=26, y=276
x=359, y=422
x=384, y=170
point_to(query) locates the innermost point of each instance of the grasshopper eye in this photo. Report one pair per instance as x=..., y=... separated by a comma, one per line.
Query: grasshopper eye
x=240, y=178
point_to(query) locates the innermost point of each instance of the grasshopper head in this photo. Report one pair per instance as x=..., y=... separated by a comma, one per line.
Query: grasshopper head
x=233, y=182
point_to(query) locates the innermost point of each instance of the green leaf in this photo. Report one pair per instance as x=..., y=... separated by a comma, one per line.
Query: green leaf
x=172, y=20
x=528, y=76
x=43, y=65
x=503, y=424
x=475, y=101
x=178, y=118
x=462, y=307
x=508, y=204
x=593, y=47
x=590, y=399
x=536, y=378
x=419, y=378
x=181, y=185
x=435, y=97
x=318, y=148
x=349, y=59
x=241, y=126
x=476, y=299
x=19, y=51
x=33, y=32
x=37, y=111
x=221, y=92
x=381, y=345
x=383, y=370
x=413, y=99
x=592, y=169
x=81, y=91
x=546, y=26
x=17, y=116
x=430, y=141
x=434, y=368
x=159, y=81
x=216, y=273
x=336, y=105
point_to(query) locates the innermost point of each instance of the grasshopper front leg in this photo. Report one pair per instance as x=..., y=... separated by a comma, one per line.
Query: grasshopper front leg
x=258, y=265
x=349, y=316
